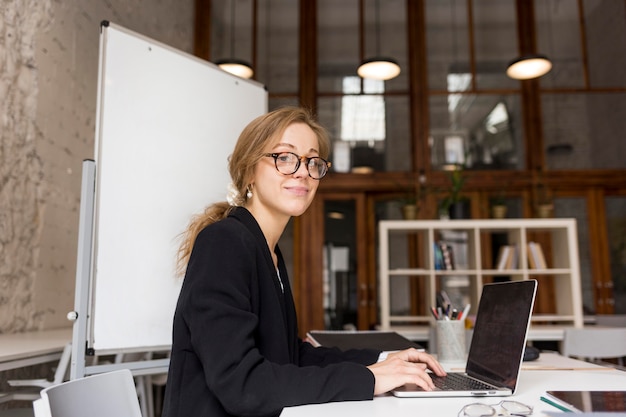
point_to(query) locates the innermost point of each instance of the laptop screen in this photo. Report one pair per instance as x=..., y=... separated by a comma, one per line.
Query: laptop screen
x=499, y=338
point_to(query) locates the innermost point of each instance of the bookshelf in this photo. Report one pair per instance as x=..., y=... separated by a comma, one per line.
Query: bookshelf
x=475, y=261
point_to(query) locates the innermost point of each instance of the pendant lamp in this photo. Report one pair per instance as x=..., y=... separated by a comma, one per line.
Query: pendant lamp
x=237, y=67
x=233, y=65
x=528, y=67
x=378, y=67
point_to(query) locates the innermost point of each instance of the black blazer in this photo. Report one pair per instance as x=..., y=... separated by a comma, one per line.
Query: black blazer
x=235, y=347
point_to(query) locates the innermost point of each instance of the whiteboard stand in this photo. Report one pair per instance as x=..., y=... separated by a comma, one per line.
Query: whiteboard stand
x=80, y=315
x=83, y=299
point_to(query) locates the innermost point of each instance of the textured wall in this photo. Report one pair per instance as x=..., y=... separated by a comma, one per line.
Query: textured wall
x=48, y=81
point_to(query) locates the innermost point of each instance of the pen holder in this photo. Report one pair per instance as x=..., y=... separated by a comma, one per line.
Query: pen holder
x=450, y=340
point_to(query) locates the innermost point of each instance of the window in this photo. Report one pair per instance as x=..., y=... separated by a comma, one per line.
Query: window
x=363, y=116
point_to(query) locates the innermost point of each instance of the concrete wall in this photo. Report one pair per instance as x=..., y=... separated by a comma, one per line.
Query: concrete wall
x=48, y=79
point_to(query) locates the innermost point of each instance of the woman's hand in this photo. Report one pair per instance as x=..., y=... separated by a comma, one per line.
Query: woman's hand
x=405, y=367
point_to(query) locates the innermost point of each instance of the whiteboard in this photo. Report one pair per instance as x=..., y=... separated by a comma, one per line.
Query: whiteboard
x=166, y=124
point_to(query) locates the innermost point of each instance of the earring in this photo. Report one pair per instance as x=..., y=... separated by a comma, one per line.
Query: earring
x=249, y=193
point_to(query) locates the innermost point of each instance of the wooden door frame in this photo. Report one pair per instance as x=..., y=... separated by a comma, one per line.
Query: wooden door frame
x=309, y=265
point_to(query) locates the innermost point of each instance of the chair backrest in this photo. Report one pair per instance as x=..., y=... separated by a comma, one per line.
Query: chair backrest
x=595, y=342
x=64, y=365
x=103, y=395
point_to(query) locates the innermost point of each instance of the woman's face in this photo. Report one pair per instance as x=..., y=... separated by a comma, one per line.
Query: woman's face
x=276, y=194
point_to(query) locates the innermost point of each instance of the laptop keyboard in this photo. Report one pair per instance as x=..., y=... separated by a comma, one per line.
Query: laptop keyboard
x=458, y=382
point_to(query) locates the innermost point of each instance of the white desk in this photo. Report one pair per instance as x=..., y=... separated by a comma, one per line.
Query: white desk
x=32, y=348
x=550, y=372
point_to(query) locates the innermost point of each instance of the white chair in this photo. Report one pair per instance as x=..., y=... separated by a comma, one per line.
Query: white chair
x=595, y=343
x=30, y=388
x=103, y=395
x=59, y=374
x=143, y=383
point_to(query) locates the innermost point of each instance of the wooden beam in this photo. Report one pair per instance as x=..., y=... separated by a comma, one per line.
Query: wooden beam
x=202, y=29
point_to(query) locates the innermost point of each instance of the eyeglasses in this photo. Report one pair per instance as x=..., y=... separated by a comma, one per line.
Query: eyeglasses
x=288, y=162
x=511, y=408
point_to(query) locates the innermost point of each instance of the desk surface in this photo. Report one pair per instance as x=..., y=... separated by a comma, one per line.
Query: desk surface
x=535, y=333
x=550, y=372
x=28, y=348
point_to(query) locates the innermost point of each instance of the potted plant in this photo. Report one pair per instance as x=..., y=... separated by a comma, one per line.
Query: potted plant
x=453, y=206
x=542, y=199
x=413, y=199
x=498, y=206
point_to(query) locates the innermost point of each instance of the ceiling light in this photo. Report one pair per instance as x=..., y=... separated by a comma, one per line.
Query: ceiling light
x=528, y=67
x=379, y=68
x=233, y=65
x=237, y=67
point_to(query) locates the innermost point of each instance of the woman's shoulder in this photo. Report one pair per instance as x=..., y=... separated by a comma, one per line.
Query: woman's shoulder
x=219, y=229
x=235, y=226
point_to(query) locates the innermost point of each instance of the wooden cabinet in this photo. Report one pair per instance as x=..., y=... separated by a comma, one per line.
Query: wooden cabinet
x=475, y=247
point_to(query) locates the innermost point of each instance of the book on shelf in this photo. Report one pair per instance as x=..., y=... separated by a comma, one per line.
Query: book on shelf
x=507, y=257
x=439, y=265
x=444, y=257
x=513, y=262
x=503, y=255
x=536, y=259
x=447, y=255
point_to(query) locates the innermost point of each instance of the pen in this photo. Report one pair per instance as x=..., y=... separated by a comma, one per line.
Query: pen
x=444, y=296
x=434, y=313
x=440, y=301
x=465, y=312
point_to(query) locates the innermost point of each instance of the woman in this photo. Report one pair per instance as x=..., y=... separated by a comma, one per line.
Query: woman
x=235, y=348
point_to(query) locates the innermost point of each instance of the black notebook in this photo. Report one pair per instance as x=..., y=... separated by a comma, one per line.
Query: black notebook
x=344, y=340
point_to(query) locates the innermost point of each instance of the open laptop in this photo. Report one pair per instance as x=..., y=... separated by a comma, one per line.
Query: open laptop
x=497, y=348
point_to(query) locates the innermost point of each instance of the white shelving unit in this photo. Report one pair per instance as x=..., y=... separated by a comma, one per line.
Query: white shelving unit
x=563, y=265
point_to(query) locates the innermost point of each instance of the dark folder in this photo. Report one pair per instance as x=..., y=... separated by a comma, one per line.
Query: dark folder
x=344, y=340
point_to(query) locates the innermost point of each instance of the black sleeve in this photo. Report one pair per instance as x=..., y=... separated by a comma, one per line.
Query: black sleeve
x=321, y=356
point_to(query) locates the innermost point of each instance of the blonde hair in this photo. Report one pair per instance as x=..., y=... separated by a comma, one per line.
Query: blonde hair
x=248, y=151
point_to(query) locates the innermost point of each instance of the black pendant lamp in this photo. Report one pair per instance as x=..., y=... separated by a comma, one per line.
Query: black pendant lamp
x=233, y=65
x=528, y=67
x=378, y=67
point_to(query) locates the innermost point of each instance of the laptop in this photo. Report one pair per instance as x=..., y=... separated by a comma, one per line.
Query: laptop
x=497, y=348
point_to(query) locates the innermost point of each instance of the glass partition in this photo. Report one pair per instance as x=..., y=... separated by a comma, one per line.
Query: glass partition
x=616, y=227
x=340, y=279
x=278, y=45
x=558, y=23
x=580, y=131
x=447, y=43
x=370, y=132
x=478, y=131
x=495, y=42
x=576, y=208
